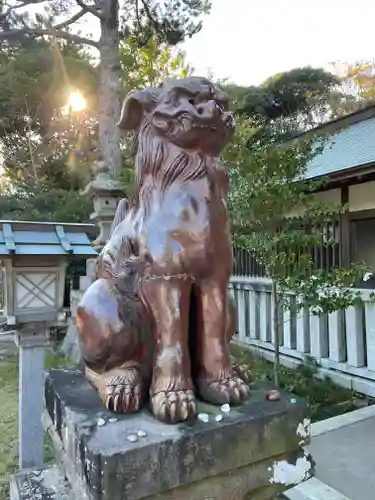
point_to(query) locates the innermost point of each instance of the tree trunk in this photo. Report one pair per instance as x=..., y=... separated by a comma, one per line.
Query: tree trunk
x=276, y=326
x=110, y=89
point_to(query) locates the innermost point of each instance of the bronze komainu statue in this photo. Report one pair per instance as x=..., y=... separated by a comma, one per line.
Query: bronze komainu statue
x=158, y=320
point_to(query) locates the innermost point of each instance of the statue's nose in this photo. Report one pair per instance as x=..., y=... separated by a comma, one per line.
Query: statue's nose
x=209, y=110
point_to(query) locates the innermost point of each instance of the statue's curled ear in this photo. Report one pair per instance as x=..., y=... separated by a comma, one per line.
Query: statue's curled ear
x=136, y=104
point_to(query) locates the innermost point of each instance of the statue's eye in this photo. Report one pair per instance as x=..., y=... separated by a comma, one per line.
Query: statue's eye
x=192, y=102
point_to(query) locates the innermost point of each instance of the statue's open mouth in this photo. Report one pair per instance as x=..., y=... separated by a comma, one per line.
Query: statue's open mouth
x=206, y=126
x=214, y=124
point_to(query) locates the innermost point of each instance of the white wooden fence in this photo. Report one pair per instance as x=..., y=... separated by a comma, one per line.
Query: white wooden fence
x=343, y=342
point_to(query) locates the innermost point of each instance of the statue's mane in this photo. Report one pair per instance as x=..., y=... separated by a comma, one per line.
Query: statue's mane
x=159, y=164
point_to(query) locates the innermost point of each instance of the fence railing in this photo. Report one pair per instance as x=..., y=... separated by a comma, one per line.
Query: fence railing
x=343, y=342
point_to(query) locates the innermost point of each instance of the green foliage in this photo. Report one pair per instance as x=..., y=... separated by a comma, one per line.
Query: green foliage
x=150, y=64
x=356, y=89
x=55, y=359
x=289, y=93
x=8, y=422
x=9, y=417
x=48, y=155
x=38, y=80
x=286, y=103
x=171, y=21
x=325, y=398
x=296, y=100
x=236, y=94
x=268, y=183
x=37, y=202
x=135, y=22
x=38, y=141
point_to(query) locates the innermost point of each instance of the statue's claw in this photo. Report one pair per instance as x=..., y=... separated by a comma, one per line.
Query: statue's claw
x=243, y=372
x=123, y=398
x=226, y=390
x=174, y=406
x=120, y=389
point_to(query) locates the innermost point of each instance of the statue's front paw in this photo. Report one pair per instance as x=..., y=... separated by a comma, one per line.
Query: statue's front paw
x=174, y=405
x=230, y=389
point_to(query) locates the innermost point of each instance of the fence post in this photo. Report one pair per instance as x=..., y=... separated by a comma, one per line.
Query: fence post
x=241, y=313
x=370, y=334
x=265, y=315
x=318, y=336
x=31, y=340
x=253, y=314
x=336, y=335
x=303, y=331
x=289, y=322
x=355, y=336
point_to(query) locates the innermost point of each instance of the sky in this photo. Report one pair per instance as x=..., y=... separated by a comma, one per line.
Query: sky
x=247, y=41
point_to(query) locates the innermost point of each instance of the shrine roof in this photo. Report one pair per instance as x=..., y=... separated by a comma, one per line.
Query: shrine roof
x=350, y=148
x=45, y=238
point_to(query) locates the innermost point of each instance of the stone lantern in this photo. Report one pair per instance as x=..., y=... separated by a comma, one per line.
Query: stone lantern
x=33, y=259
x=105, y=194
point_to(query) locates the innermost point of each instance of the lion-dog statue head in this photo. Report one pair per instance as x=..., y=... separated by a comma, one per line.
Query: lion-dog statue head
x=189, y=112
x=180, y=126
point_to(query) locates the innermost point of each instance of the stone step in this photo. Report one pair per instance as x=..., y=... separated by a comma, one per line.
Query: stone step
x=313, y=489
x=39, y=484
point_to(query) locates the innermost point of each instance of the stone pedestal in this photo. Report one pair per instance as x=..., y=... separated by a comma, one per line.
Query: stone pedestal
x=31, y=340
x=252, y=453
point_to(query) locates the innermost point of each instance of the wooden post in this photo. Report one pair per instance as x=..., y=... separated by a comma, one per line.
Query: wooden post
x=31, y=340
x=345, y=256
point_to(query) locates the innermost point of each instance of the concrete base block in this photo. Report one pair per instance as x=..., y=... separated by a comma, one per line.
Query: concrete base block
x=254, y=452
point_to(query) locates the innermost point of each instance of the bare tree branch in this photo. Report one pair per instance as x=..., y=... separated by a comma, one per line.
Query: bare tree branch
x=11, y=8
x=96, y=11
x=69, y=21
x=5, y=35
x=149, y=15
x=50, y=30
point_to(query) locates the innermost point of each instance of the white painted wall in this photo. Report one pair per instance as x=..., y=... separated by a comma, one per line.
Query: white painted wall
x=362, y=196
x=332, y=196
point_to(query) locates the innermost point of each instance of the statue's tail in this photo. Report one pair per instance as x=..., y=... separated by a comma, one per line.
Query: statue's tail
x=122, y=210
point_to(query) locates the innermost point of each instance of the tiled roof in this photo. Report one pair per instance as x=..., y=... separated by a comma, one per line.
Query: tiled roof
x=45, y=238
x=347, y=148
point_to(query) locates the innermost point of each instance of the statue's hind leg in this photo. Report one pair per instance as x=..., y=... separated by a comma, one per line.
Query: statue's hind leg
x=171, y=392
x=120, y=389
x=112, y=348
x=216, y=380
